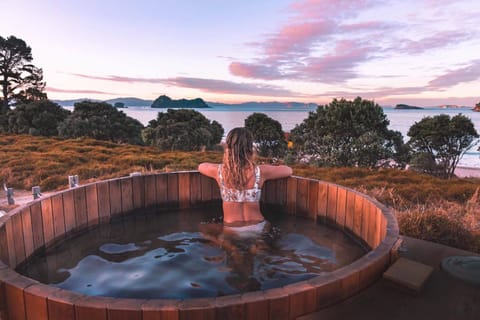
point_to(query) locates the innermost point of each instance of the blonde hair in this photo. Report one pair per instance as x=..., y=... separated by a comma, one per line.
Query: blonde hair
x=237, y=157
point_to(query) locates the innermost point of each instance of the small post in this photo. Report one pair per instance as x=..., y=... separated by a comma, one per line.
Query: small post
x=73, y=181
x=36, y=192
x=10, y=199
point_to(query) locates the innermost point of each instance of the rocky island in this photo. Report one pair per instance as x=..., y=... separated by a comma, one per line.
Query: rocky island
x=477, y=107
x=406, y=106
x=166, y=102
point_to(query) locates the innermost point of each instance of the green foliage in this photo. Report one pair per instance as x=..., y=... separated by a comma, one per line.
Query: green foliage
x=184, y=130
x=21, y=80
x=38, y=118
x=439, y=143
x=347, y=133
x=268, y=135
x=100, y=120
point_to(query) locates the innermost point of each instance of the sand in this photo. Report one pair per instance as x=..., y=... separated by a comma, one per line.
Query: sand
x=465, y=172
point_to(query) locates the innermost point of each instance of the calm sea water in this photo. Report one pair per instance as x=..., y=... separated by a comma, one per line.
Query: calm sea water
x=400, y=120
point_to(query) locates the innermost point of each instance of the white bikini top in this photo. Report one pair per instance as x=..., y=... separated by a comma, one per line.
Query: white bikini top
x=234, y=195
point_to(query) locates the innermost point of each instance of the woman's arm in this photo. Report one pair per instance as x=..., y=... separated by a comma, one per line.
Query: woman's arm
x=208, y=169
x=269, y=172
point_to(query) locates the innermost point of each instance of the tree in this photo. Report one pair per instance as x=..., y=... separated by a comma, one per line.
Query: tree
x=100, y=120
x=39, y=118
x=182, y=129
x=20, y=80
x=347, y=133
x=268, y=135
x=439, y=143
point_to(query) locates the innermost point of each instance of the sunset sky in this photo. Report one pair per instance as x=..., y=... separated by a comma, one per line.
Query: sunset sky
x=421, y=52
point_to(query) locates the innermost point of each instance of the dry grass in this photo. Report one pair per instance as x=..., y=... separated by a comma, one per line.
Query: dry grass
x=427, y=207
x=28, y=161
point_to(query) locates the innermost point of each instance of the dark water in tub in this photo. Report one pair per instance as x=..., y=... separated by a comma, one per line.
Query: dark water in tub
x=186, y=254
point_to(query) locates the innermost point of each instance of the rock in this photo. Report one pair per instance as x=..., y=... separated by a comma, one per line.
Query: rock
x=165, y=102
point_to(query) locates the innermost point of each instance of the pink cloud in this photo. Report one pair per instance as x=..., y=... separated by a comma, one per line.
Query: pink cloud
x=454, y=77
x=292, y=51
x=324, y=40
x=52, y=89
x=435, y=41
x=206, y=85
x=229, y=87
x=255, y=71
x=337, y=66
x=297, y=37
x=119, y=78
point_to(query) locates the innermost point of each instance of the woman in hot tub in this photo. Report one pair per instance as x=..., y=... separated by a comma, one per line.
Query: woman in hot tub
x=240, y=181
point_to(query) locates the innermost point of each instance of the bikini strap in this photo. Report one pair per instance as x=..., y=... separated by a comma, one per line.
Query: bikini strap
x=257, y=177
x=220, y=178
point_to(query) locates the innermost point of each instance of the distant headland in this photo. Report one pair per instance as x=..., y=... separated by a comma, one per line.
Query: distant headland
x=164, y=101
x=406, y=106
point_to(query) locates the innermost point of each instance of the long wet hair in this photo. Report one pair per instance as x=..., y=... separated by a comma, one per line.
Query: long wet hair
x=237, y=157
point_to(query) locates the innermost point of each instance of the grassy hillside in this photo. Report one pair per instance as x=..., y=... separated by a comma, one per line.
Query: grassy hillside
x=426, y=207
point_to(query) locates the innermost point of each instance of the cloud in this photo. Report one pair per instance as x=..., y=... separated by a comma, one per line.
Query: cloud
x=206, y=85
x=302, y=48
x=255, y=71
x=328, y=40
x=438, y=40
x=296, y=39
x=119, y=78
x=454, y=77
x=85, y=91
x=229, y=87
x=337, y=66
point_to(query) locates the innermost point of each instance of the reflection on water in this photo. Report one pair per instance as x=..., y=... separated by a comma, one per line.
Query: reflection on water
x=182, y=255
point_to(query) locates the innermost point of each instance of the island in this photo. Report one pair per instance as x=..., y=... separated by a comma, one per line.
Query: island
x=477, y=107
x=119, y=105
x=166, y=102
x=406, y=106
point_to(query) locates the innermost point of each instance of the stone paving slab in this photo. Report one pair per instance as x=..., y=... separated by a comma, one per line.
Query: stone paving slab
x=408, y=273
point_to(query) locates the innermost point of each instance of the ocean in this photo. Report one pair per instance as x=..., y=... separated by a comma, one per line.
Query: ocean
x=400, y=120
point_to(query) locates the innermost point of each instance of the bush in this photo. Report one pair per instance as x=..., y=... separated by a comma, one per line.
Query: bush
x=38, y=118
x=100, y=120
x=182, y=130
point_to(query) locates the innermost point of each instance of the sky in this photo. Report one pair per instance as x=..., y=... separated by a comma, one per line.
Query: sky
x=419, y=52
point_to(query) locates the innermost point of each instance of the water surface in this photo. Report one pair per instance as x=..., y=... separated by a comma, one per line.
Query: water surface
x=188, y=254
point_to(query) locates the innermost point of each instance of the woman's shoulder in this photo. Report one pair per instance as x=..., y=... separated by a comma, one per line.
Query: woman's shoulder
x=208, y=168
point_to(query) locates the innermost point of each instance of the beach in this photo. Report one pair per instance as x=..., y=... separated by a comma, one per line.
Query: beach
x=466, y=172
